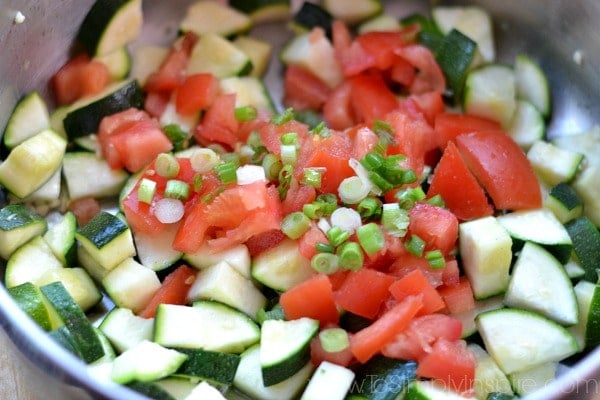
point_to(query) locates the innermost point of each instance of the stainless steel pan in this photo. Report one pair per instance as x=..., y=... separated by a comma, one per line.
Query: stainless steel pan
x=563, y=35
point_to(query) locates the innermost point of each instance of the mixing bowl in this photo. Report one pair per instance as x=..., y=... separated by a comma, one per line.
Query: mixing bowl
x=562, y=35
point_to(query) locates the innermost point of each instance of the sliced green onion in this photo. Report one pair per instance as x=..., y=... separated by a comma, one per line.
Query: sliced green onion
x=437, y=200
x=198, y=180
x=245, y=113
x=308, y=117
x=373, y=161
x=415, y=245
x=285, y=179
x=353, y=189
x=363, y=174
x=288, y=154
x=321, y=130
x=385, y=131
x=254, y=139
x=325, y=263
x=324, y=225
x=324, y=248
x=346, y=219
x=371, y=238
x=247, y=174
x=393, y=170
x=289, y=138
x=313, y=176
x=204, y=160
x=313, y=210
x=146, y=190
x=295, y=224
x=272, y=166
x=274, y=313
x=226, y=171
x=329, y=202
x=286, y=116
x=337, y=236
x=177, y=136
x=166, y=165
x=409, y=177
x=177, y=189
x=350, y=256
x=408, y=197
x=380, y=181
x=334, y=340
x=394, y=219
x=369, y=207
x=436, y=259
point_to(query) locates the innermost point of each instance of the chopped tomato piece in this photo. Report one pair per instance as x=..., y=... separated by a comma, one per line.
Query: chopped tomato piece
x=429, y=76
x=459, y=189
x=196, y=93
x=308, y=241
x=382, y=46
x=192, y=230
x=407, y=262
x=84, y=209
x=270, y=134
x=264, y=241
x=318, y=354
x=337, y=110
x=415, y=283
x=364, y=291
x=449, y=125
x=437, y=226
x=219, y=124
x=417, y=339
x=353, y=58
x=297, y=196
x=79, y=77
x=312, y=298
x=502, y=168
x=402, y=72
x=303, y=90
x=451, y=363
x=370, y=340
x=139, y=215
x=371, y=98
x=431, y=104
x=173, y=290
x=364, y=140
x=459, y=297
x=156, y=103
x=173, y=69
x=451, y=273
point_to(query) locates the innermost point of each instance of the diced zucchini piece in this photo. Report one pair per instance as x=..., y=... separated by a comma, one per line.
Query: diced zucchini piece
x=526, y=382
x=107, y=239
x=258, y=51
x=30, y=262
x=311, y=15
x=29, y=117
x=212, y=366
x=249, y=380
x=146, y=60
x=587, y=143
x=285, y=347
x=207, y=325
x=61, y=239
x=485, y=248
x=110, y=25
x=18, y=225
x=212, y=17
x=353, y=11
x=473, y=21
x=383, y=22
x=77, y=282
x=131, y=285
x=218, y=56
x=31, y=163
x=146, y=362
x=261, y=11
x=527, y=125
x=490, y=92
x=586, y=244
x=237, y=257
x=553, y=164
x=250, y=91
x=519, y=339
x=49, y=192
x=587, y=187
x=315, y=53
x=29, y=298
x=330, y=381
x=221, y=282
x=585, y=292
x=489, y=378
x=383, y=377
x=555, y=299
x=282, y=266
x=539, y=226
x=467, y=318
x=84, y=336
x=431, y=390
x=118, y=63
x=125, y=330
x=151, y=390
x=532, y=84
x=177, y=388
x=92, y=266
x=156, y=251
x=205, y=391
x=564, y=203
x=455, y=55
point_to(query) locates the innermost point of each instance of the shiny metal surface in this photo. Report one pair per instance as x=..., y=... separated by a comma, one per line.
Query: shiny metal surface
x=551, y=31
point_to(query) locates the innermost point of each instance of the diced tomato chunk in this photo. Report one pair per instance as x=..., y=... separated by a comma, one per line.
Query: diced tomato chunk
x=382, y=46
x=364, y=291
x=371, y=98
x=459, y=189
x=353, y=58
x=173, y=290
x=297, y=196
x=264, y=241
x=337, y=110
x=84, y=209
x=219, y=124
x=449, y=125
x=437, y=226
x=173, y=69
x=502, y=168
x=196, y=93
x=459, y=297
x=415, y=283
x=407, y=262
x=308, y=241
x=318, y=354
x=79, y=77
x=312, y=298
x=430, y=76
x=303, y=90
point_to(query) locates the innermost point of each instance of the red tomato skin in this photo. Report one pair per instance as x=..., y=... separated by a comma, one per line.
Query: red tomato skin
x=415, y=283
x=459, y=189
x=364, y=291
x=369, y=341
x=312, y=298
x=417, y=339
x=264, y=241
x=196, y=93
x=437, y=226
x=79, y=77
x=371, y=98
x=337, y=110
x=502, y=168
x=113, y=124
x=449, y=125
x=451, y=363
x=303, y=90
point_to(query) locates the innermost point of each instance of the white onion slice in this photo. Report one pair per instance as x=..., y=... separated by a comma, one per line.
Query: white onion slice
x=247, y=174
x=346, y=219
x=168, y=211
